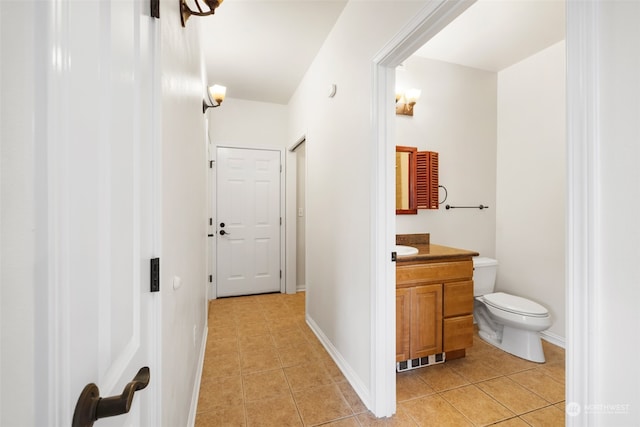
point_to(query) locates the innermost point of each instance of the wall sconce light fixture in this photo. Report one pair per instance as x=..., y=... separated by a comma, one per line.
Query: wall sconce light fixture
x=186, y=11
x=405, y=101
x=216, y=94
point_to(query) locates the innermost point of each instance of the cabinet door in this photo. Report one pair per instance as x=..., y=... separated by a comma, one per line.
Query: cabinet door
x=426, y=320
x=403, y=323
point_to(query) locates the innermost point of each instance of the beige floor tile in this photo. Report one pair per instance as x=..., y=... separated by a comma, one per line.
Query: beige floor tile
x=409, y=386
x=345, y=422
x=476, y=405
x=434, y=411
x=511, y=422
x=221, y=346
x=479, y=346
x=541, y=384
x=555, y=370
x=253, y=328
x=284, y=338
x=322, y=404
x=545, y=417
x=279, y=412
x=232, y=416
x=506, y=364
x=222, y=365
x=249, y=342
x=473, y=369
x=259, y=360
x=334, y=372
x=441, y=377
x=283, y=325
x=300, y=354
x=310, y=375
x=512, y=395
x=274, y=313
x=253, y=316
x=265, y=385
x=321, y=352
x=352, y=397
x=400, y=419
x=219, y=393
x=221, y=333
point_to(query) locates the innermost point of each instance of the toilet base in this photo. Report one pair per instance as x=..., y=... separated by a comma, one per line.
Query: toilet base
x=522, y=343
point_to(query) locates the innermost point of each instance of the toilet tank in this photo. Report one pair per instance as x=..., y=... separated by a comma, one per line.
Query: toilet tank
x=484, y=275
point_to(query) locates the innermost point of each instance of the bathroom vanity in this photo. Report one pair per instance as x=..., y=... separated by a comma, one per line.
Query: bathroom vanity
x=434, y=302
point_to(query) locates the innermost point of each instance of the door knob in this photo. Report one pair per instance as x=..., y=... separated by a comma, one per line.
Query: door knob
x=222, y=232
x=91, y=407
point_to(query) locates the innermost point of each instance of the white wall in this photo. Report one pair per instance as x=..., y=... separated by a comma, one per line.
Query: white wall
x=339, y=175
x=531, y=183
x=248, y=123
x=184, y=215
x=456, y=117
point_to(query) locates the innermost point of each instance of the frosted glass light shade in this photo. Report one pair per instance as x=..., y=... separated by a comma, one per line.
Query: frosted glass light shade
x=217, y=93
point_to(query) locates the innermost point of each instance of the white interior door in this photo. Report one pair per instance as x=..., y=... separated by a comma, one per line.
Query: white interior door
x=101, y=201
x=248, y=221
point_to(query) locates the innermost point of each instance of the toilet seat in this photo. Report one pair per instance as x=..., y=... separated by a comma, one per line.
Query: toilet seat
x=514, y=304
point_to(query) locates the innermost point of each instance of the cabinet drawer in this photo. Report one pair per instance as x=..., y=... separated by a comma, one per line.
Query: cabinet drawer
x=458, y=333
x=458, y=298
x=436, y=272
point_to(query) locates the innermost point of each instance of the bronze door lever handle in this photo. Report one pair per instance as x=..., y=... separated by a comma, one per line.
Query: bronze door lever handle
x=91, y=407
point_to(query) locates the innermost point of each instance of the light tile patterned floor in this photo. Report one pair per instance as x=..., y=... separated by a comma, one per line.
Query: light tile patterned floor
x=264, y=367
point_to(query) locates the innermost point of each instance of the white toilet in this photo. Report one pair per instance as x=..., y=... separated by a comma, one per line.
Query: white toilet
x=508, y=322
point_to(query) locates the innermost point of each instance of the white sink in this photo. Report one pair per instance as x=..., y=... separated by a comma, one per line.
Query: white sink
x=402, y=250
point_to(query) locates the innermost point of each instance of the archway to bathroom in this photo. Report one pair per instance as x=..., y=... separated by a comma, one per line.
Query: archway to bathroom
x=401, y=48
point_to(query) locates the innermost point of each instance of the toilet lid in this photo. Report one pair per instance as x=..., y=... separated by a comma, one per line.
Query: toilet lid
x=515, y=304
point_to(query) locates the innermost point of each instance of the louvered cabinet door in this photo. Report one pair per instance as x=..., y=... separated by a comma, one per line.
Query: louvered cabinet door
x=427, y=171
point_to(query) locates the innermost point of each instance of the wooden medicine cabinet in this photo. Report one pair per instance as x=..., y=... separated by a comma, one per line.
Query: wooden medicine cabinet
x=416, y=180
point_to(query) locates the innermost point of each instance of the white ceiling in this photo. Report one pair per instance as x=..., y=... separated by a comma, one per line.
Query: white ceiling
x=261, y=49
x=494, y=34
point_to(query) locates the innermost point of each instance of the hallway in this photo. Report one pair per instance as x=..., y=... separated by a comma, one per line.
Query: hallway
x=264, y=366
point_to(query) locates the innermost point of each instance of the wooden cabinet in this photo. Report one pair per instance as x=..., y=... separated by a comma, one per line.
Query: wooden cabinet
x=434, y=308
x=458, y=315
x=418, y=321
x=403, y=324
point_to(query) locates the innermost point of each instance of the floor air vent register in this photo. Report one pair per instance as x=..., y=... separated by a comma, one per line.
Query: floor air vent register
x=407, y=365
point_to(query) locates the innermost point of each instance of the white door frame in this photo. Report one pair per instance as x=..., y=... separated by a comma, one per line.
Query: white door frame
x=213, y=268
x=582, y=233
x=433, y=17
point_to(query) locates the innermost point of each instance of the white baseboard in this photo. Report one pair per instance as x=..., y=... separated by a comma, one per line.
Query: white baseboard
x=553, y=338
x=196, y=384
x=346, y=369
x=301, y=288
